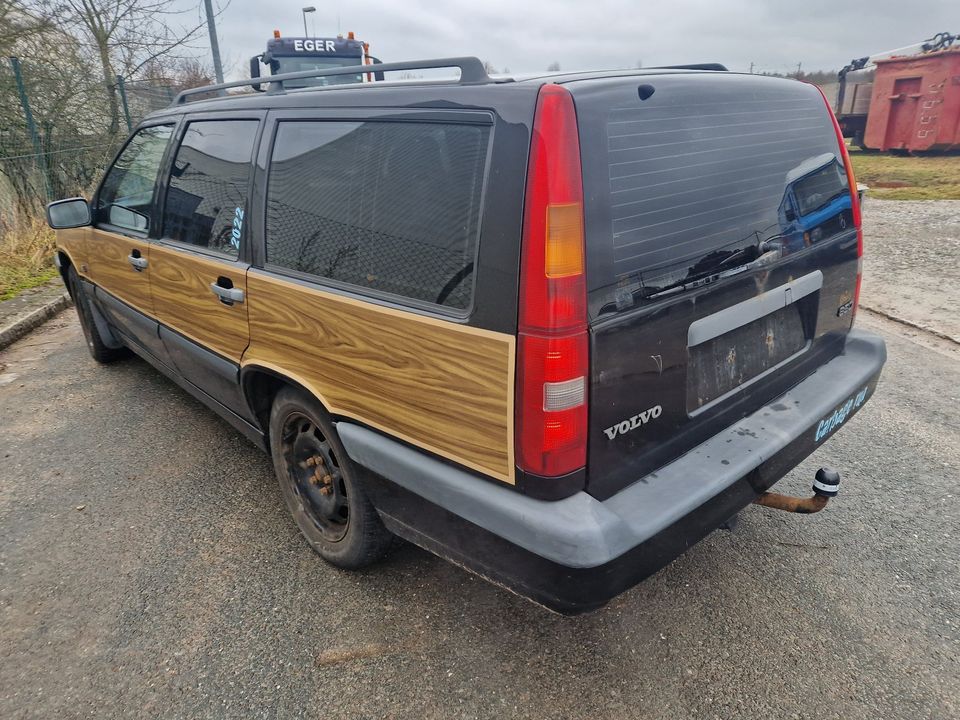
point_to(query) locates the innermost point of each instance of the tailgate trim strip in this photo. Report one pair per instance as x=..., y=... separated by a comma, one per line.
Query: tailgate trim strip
x=720, y=323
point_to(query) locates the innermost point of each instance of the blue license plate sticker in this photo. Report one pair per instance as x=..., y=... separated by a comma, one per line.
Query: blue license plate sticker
x=835, y=419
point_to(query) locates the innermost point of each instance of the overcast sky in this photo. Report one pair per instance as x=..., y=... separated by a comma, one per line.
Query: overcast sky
x=599, y=34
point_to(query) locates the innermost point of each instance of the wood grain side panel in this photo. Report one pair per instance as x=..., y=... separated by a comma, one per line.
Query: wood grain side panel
x=182, y=299
x=75, y=243
x=108, y=267
x=441, y=386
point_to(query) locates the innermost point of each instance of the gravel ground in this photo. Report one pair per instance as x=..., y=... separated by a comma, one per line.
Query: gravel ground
x=912, y=262
x=148, y=569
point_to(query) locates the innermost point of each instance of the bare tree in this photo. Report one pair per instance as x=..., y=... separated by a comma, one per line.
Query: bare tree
x=18, y=23
x=124, y=35
x=176, y=74
x=553, y=67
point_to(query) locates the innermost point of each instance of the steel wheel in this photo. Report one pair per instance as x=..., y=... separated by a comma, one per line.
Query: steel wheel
x=315, y=476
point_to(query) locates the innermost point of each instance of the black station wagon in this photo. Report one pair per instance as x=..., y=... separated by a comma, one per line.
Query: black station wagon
x=555, y=329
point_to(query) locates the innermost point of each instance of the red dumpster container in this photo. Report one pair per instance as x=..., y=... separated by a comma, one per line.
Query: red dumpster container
x=916, y=103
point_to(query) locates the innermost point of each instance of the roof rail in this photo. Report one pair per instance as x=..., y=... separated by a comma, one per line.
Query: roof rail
x=717, y=67
x=471, y=73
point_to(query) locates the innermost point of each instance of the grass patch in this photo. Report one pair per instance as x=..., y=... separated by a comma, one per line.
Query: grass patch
x=26, y=257
x=904, y=177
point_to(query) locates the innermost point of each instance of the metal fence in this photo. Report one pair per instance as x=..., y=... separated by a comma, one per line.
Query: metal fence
x=57, y=135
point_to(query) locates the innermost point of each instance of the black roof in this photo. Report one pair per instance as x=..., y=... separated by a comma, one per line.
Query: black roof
x=472, y=74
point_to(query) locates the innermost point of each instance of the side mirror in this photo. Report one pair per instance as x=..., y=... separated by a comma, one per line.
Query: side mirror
x=255, y=71
x=129, y=218
x=71, y=213
x=789, y=214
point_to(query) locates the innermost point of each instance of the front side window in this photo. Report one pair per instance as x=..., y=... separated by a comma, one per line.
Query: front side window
x=392, y=207
x=209, y=179
x=125, y=199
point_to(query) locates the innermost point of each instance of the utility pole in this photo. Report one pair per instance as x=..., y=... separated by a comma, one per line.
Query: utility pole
x=751, y=68
x=214, y=45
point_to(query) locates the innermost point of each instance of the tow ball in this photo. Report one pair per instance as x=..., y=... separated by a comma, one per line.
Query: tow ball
x=826, y=484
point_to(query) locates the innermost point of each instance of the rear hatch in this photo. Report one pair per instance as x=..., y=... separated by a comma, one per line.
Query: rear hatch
x=721, y=256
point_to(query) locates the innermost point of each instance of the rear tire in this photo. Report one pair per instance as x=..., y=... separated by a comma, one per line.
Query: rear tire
x=99, y=351
x=321, y=486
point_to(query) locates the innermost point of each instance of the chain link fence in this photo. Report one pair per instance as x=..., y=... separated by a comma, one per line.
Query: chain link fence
x=58, y=133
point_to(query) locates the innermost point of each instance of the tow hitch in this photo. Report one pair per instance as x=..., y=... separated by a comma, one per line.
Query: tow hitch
x=826, y=484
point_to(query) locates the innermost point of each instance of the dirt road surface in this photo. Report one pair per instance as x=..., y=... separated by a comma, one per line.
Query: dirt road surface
x=912, y=262
x=148, y=569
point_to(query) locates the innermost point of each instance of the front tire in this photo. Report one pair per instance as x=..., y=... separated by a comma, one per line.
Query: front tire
x=321, y=486
x=99, y=351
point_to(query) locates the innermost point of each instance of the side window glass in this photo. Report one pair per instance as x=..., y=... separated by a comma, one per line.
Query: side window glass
x=387, y=206
x=126, y=195
x=207, y=195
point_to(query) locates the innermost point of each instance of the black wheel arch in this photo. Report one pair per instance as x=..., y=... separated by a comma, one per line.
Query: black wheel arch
x=64, y=263
x=260, y=386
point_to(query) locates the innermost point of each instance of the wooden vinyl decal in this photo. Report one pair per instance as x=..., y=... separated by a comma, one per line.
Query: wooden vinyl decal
x=106, y=256
x=183, y=300
x=444, y=387
x=74, y=242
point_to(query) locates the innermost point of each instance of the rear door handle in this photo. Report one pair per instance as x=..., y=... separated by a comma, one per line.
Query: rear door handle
x=228, y=296
x=139, y=263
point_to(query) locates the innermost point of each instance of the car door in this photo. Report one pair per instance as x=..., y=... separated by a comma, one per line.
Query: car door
x=200, y=260
x=117, y=260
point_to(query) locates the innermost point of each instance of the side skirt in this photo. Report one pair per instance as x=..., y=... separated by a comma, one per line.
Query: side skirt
x=252, y=433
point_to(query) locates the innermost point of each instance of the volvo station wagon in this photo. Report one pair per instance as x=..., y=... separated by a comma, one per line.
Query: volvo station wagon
x=555, y=329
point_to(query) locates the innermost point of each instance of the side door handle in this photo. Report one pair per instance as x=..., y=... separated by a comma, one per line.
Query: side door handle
x=227, y=295
x=139, y=263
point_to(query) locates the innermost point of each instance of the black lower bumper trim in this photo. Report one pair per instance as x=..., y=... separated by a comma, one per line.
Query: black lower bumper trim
x=569, y=591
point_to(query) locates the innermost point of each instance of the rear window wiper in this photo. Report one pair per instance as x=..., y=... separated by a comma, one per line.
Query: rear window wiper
x=762, y=253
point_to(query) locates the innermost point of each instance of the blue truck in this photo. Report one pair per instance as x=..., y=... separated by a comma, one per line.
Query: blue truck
x=816, y=203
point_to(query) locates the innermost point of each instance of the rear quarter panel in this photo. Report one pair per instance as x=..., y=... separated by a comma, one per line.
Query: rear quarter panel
x=437, y=384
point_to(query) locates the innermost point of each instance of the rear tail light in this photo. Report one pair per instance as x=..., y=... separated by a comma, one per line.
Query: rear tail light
x=552, y=353
x=854, y=200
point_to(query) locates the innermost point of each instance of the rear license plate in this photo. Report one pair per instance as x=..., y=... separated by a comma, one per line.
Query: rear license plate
x=720, y=365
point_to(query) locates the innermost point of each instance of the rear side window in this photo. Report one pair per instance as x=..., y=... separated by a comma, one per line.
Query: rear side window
x=392, y=207
x=207, y=195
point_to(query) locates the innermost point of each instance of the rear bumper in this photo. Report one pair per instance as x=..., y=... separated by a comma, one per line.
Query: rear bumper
x=574, y=555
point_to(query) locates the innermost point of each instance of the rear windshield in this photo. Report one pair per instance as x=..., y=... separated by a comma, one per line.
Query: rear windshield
x=700, y=173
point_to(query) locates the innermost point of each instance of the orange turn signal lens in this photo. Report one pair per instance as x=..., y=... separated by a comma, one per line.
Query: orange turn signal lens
x=564, y=246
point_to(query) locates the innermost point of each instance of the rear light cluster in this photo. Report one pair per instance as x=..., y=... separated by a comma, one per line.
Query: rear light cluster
x=854, y=200
x=552, y=353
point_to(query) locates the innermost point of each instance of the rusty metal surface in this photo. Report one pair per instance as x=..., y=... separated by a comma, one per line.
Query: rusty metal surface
x=915, y=103
x=791, y=503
